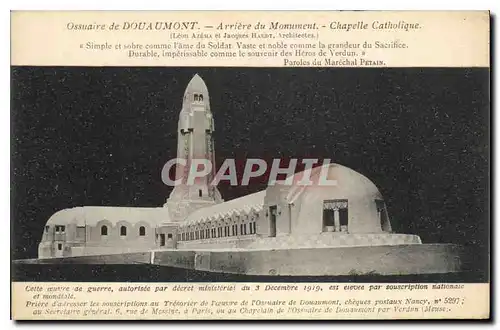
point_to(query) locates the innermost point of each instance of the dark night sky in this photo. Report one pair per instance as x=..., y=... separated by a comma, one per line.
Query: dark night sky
x=100, y=136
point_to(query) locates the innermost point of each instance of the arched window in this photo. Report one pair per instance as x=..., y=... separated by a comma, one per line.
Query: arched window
x=123, y=231
x=142, y=231
x=104, y=230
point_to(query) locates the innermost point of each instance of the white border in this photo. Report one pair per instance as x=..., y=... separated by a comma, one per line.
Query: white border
x=492, y=5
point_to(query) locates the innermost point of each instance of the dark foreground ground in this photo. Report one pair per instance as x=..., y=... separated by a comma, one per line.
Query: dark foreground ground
x=152, y=273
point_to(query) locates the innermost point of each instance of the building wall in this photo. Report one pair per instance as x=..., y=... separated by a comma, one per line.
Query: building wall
x=109, y=259
x=307, y=212
x=174, y=258
x=378, y=260
x=218, y=243
x=167, y=236
x=58, y=243
x=382, y=260
x=304, y=215
x=333, y=239
x=276, y=196
x=87, y=240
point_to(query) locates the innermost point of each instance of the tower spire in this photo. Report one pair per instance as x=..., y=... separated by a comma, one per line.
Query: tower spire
x=195, y=141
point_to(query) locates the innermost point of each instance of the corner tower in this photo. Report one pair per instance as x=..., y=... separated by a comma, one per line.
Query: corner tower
x=194, y=141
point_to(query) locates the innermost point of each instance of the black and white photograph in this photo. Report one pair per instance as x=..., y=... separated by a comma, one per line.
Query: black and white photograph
x=250, y=174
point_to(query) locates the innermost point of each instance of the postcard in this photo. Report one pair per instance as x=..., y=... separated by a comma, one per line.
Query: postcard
x=232, y=165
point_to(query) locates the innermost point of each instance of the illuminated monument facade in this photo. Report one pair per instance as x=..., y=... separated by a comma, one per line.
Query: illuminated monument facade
x=341, y=224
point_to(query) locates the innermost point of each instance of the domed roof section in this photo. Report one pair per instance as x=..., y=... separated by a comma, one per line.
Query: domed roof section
x=197, y=92
x=65, y=217
x=340, y=182
x=197, y=85
x=336, y=187
x=91, y=215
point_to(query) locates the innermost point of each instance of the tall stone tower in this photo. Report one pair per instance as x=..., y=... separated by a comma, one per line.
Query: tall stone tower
x=195, y=141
